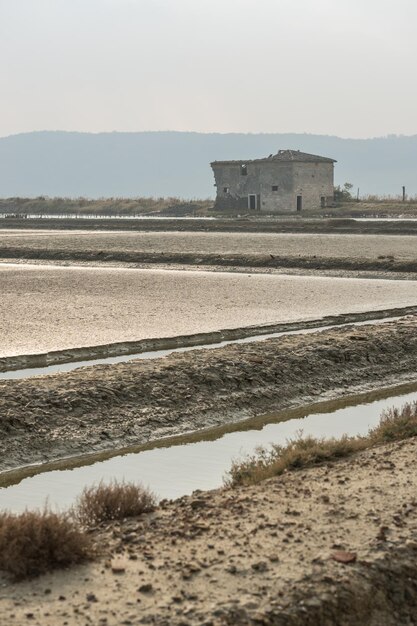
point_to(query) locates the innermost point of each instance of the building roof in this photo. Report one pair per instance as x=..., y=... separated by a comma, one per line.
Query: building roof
x=283, y=155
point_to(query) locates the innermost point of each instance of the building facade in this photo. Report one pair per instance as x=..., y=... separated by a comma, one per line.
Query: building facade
x=287, y=182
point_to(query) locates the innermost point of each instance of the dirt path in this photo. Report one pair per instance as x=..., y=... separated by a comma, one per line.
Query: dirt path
x=108, y=407
x=260, y=555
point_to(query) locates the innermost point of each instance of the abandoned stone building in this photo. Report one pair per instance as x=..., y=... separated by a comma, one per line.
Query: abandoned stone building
x=288, y=181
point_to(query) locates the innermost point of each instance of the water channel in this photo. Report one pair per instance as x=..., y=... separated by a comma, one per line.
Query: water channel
x=175, y=467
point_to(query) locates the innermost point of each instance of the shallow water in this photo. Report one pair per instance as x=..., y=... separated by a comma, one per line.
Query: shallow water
x=200, y=461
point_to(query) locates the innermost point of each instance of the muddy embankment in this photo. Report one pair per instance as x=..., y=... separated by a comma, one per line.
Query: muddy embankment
x=384, y=264
x=250, y=225
x=107, y=407
x=126, y=348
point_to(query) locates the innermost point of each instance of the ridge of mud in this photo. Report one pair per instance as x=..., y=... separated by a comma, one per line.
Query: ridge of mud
x=105, y=407
x=70, y=355
x=269, y=261
x=280, y=225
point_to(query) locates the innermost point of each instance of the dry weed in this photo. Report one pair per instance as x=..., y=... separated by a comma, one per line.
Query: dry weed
x=395, y=424
x=117, y=500
x=35, y=542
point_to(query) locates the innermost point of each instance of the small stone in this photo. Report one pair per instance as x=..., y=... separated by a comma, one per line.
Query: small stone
x=91, y=597
x=382, y=533
x=198, y=504
x=146, y=588
x=249, y=603
x=342, y=556
x=260, y=566
x=274, y=558
x=118, y=566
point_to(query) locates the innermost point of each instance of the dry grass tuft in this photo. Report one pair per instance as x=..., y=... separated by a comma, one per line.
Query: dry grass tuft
x=116, y=500
x=395, y=424
x=299, y=452
x=34, y=542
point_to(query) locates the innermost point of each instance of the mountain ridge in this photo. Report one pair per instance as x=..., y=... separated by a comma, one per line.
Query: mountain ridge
x=177, y=163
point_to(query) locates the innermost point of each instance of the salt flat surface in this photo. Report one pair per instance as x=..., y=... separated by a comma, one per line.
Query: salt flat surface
x=280, y=244
x=45, y=308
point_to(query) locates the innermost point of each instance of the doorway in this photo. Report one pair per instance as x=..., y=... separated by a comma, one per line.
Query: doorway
x=299, y=203
x=252, y=202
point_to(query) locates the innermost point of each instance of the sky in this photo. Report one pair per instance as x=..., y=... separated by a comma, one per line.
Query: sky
x=336, y=67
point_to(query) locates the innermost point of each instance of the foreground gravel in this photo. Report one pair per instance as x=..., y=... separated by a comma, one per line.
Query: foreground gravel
x=333, y=545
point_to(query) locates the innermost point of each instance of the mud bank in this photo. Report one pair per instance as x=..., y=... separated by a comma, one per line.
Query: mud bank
x=336, y=544
x=273, y=225
x=245, y=261
x=107, y=407
x=74, y=355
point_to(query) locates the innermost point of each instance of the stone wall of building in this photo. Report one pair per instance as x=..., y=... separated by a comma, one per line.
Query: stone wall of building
x=275, y=184
x=313, y=181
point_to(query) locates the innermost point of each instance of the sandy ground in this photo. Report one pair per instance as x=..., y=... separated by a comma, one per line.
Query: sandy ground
x=282, y=244
x=46, y=308
x=255, y=555
x=108, y=407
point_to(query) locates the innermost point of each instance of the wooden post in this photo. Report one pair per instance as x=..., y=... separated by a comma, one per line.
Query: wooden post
x=357, y=196
x=403, y=194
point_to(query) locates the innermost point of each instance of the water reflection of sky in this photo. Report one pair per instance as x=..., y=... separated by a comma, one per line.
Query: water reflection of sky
x=178, y=470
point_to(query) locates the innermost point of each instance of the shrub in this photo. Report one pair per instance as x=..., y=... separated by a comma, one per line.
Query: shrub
x=35, y=542
x=299, y=452
x=116, y=500
x=343, y=194
x=395, y=424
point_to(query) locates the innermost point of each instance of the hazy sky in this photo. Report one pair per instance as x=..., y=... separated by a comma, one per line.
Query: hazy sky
x=342, y=67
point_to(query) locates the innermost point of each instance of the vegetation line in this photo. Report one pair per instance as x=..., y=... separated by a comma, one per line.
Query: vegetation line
x=302, y=452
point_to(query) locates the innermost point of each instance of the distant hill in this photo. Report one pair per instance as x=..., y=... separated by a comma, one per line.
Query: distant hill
x=57, y=163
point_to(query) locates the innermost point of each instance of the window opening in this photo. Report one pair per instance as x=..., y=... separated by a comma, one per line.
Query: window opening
x=274, y=187
x=243, y=170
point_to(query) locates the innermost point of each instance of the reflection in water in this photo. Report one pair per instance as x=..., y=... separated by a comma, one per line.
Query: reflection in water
x=179, y=469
